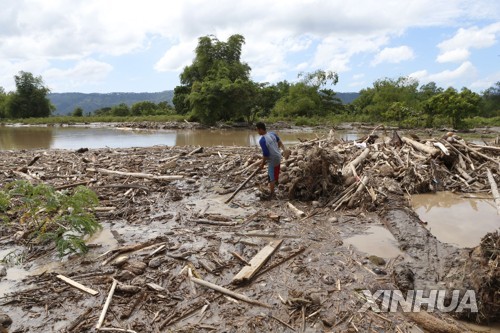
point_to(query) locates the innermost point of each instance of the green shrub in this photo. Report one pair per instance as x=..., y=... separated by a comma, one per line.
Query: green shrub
x=62, y=217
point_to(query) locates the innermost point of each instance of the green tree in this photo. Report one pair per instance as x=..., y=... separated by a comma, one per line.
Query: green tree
x=389, y=99
x=30, y=98
x=165, y=108
x=306, y=98
x=301, y=101
x=181, y=99
x=105, y=111
x=491, y=101
x=77, y=112
x=143, y=108
x=425, y=93
x=454, y=105
x=215, y=86
x=3, y=103
x=266, y=97
x=120, y=110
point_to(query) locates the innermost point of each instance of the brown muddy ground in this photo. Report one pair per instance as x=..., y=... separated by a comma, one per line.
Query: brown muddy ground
x=311, y=283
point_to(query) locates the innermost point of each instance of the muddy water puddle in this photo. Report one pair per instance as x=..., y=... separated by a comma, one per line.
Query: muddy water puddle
x=16, y=272
x=376, y=240
x=452, y=218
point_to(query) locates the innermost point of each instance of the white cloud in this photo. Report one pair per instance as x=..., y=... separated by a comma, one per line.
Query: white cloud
x=393, y=55
x=485, y=82
x=85, y=72
x=456, y=55
x=420, y=75
x=466, y=71
x=334, y=53
x=456, y=49
x=177, y=57
x=325, y=34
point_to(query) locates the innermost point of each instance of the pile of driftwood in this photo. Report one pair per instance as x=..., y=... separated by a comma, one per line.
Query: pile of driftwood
x=347, y=173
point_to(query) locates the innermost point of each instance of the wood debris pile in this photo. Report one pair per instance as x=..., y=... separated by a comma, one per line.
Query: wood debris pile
x=354, y=173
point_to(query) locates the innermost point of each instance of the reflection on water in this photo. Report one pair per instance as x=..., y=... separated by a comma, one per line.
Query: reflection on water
x=378, y=241
x=25, y=137
x=457, y=220
x=33, y=137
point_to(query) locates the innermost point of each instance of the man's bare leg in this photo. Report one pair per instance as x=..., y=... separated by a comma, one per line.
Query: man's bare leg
x=271, y=187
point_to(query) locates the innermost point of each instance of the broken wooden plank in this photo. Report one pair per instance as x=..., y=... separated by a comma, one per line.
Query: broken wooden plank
x=228, y=292
x=257, y=262
x=77, y=285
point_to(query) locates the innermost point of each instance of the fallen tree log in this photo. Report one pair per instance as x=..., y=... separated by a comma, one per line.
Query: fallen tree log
x=347, y=170
x=421, y=147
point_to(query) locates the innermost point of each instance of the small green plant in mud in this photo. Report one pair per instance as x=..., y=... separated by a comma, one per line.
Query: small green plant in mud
x=42, y=215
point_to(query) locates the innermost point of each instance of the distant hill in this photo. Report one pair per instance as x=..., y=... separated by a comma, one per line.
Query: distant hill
x=347, y=97
x=65, y=103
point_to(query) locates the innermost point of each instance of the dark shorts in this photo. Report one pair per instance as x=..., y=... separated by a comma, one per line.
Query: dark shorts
x=273, y=172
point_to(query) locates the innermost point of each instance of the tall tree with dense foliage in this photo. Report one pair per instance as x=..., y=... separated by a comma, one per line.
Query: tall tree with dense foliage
x=455, y=105
x=3, y=103
x=491, y=101
x=77, y=112
x=216, y=86
x=30, y=98
x=389, y=99
x=306, y=98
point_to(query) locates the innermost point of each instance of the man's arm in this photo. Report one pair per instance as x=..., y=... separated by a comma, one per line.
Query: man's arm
x=286, y=152
x=265, y=152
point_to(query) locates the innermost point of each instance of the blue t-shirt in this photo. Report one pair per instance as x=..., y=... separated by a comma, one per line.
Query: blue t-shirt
x=270, y=149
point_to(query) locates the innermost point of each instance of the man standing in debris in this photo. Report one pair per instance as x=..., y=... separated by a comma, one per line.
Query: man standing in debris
x=270, y=144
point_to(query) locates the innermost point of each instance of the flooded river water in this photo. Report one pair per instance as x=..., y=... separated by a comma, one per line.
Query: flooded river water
x=43, y=137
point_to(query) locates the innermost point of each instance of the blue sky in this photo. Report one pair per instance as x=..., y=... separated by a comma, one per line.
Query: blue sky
x=142, y=46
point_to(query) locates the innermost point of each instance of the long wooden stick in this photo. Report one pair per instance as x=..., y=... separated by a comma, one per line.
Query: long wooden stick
x=77, y=285
x=241, y=186
x=474, y=151
x=229, y=292
x=494, y=190
x=106, y=305
x=135, y=174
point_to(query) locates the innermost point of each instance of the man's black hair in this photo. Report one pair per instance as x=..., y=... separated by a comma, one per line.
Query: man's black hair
x=261, y=125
